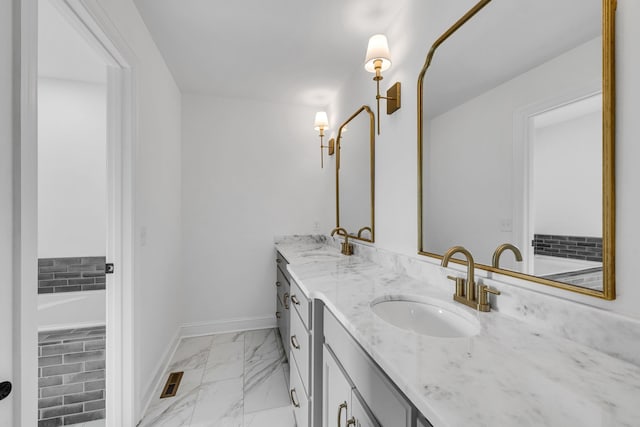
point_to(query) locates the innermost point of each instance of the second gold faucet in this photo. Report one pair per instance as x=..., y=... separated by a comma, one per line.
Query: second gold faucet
x=347, y=248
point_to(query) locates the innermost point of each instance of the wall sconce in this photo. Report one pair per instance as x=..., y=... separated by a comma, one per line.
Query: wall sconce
x=378, y=59
x=321, y=123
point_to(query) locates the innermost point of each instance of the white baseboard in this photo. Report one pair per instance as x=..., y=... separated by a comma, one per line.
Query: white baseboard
x=198, y=329
x=161, y=366
x=228, y=325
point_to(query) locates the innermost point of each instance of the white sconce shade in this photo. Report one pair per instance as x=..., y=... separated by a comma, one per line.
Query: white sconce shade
x=378, y=49
x=321, y=121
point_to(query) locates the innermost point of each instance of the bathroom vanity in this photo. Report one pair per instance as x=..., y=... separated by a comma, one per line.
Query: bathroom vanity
x=349, y=366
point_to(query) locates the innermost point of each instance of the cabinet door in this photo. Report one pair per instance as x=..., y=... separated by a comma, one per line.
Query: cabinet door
x=336, y=392
x=359, y=414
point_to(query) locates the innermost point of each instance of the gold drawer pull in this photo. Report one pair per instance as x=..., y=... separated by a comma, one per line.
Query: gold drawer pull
x=278, y=315
x=286, y=300
x=351, y=422
x=294, y=400
x=278, y=284
x=342, y=406
x=294, y=299
x=294, y=342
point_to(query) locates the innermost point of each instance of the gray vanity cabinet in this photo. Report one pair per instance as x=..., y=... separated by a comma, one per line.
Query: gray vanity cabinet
x=374, y=399
x=336, y=391
x=283, y=306
x=342, y=404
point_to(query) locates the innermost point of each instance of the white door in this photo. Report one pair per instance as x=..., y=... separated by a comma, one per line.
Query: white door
x=6, y=283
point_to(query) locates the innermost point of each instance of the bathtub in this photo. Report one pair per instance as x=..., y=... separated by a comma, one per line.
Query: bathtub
x=68, y=310
x=547, y=265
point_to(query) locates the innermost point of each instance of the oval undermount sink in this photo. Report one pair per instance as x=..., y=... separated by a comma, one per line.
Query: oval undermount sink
x=426, y=317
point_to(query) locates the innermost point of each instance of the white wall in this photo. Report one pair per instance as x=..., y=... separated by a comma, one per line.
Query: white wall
x=567, y=177
x=6, y=207
x=72, y=132
x=250, y=171
x=410, y=37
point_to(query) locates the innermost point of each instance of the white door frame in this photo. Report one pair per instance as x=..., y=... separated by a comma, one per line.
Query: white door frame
x=523, y=137
x=93, y=23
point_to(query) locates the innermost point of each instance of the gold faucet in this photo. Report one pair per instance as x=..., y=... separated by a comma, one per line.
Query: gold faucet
x=468, y=296
x=500, y=249
x=347, y=248
x=362, y=230
x=465, y=295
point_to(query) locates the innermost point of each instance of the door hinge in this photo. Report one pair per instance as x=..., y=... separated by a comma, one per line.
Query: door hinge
x=109, y=268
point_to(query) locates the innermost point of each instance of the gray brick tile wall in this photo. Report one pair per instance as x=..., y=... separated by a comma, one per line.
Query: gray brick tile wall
x=573, y=247
x=71, y=376
x=71, y=274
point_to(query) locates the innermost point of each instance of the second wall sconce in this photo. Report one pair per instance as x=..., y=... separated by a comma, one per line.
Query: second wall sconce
x=378, y=59
x=321, y=124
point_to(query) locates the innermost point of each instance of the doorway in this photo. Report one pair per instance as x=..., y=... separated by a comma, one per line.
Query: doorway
x=89, y=163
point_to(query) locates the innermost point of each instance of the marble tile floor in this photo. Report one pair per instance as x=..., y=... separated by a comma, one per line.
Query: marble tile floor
x=230, y=380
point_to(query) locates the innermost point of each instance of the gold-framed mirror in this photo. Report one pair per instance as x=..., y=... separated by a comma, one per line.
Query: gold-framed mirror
x=516, y=141
x=355, y=175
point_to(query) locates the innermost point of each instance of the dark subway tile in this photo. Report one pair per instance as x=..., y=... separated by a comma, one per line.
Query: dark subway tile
x=67, y=261
x=94, y=405
x=61, y=390
x=57, y=282
x=48, y=402
x=84, y=417
x=84, y=356
x=61, y=411
x=61, y=369
x=49, y=361
x=83, y=397
x=51, y=422
x=50, y=350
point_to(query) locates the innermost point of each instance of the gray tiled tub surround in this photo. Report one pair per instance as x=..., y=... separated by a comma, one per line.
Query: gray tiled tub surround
x=573, y=247
x=71, y=274
x=71, y=376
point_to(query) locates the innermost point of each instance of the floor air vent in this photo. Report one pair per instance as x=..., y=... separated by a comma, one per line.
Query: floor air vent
x=171, y=387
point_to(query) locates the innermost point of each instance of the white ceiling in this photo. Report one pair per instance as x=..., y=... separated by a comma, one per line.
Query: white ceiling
x=62, y=52
x=291, y=51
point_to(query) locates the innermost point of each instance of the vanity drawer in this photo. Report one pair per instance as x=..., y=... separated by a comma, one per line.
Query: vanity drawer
x=299, y=400
x=281, y=280
x=301, y=303
x=281, y=263
x=387, y=404
x=299, y=346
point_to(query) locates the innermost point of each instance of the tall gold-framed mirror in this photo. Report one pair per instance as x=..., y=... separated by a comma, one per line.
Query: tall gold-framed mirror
x=516, y=139
x=355, y=175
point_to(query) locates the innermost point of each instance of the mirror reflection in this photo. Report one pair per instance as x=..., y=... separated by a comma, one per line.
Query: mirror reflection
x=355, y=174
x=512, y=148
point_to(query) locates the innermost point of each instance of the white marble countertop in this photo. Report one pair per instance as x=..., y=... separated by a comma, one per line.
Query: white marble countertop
x=510, y=374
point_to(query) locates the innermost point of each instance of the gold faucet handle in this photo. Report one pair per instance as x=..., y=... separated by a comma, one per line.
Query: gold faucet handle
x=459, y=285
x=483, y=297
